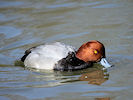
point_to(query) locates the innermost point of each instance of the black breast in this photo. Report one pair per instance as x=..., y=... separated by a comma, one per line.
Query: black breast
x=71, y=62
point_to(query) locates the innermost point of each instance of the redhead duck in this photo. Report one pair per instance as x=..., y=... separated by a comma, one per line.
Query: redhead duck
x=58, y=56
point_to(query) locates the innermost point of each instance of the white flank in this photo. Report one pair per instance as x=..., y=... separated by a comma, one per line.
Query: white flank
x=46, y=56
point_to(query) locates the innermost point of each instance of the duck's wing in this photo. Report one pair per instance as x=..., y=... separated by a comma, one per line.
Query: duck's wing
x=27, y=52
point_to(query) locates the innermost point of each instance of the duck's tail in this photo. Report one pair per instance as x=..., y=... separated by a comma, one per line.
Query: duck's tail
x=27, y=52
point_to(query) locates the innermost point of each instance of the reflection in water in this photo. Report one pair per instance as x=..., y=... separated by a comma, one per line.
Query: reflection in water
x=96, y=77
x=106, y=98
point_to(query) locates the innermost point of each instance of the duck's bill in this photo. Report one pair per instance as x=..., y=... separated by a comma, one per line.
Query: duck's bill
x=105, y=63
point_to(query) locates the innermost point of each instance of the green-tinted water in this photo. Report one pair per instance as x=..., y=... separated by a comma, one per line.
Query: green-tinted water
x=26, y=23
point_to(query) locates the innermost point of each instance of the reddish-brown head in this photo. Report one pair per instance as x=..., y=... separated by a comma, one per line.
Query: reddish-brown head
x=91, y=51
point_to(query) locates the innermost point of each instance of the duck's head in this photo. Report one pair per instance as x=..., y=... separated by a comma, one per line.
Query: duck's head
x=93, y=51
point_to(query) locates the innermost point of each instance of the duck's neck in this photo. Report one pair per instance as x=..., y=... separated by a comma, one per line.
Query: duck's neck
x=71, y=58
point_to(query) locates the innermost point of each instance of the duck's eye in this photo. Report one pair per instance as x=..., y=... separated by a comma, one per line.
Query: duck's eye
x=96, y=52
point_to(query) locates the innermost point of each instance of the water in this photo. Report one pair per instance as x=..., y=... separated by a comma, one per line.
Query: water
x=27, y=23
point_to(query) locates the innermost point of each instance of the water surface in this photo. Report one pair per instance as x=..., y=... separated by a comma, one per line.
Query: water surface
x=27, y=23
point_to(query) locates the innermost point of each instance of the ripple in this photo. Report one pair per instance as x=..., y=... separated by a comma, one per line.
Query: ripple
x=10, y=3
x=95, y=94
x=106, y=26
x=90, y=4
x=62, y=5
x=10, y=31
x=17, y=44
x=65, y=36
x=107, y=6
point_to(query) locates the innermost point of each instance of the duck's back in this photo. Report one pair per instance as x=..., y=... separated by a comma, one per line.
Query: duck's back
x=46, y=56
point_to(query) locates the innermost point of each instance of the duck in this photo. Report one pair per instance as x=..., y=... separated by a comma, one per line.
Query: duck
x=61, y=57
